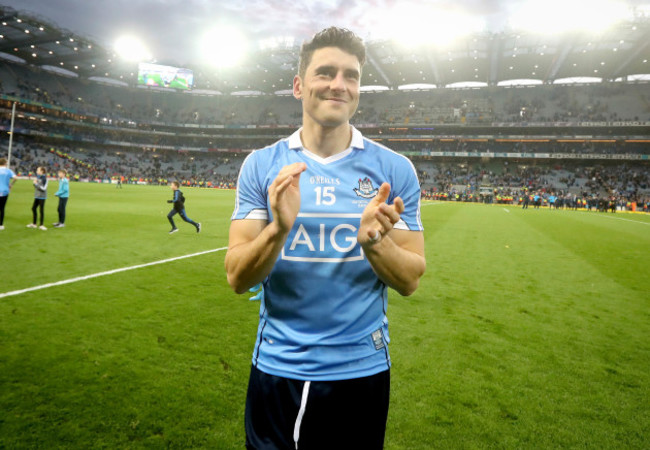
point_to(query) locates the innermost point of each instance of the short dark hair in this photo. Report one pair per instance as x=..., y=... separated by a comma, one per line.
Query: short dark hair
x=176, y=183
x=341, y=38
x=3, y=161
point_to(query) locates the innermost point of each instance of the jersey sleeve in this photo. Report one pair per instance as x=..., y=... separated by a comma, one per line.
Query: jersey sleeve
x=251, y=199
x=41, y=183
x=405, y=184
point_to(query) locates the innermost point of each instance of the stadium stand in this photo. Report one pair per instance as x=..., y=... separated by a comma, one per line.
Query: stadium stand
x=480, y=144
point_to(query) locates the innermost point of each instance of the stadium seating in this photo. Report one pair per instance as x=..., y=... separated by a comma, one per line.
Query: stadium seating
x=458, y=139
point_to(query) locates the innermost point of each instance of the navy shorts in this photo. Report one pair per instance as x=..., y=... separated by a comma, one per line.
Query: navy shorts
x=282, y=413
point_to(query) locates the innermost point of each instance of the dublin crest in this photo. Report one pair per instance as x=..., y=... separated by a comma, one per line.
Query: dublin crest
x=365, y=189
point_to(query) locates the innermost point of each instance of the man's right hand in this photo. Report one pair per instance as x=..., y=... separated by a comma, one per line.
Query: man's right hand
x=284, y=196
x=254, y=245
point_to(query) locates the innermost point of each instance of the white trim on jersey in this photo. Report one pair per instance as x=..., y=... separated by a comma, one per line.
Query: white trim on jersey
x=311, y=259
x=401, y=225
x=329, y=159
x=241, y=170
x=295, y=143
x=258, y=214
x=331, y=215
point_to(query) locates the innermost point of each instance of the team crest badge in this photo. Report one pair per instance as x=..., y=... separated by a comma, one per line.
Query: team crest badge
x=365, y=189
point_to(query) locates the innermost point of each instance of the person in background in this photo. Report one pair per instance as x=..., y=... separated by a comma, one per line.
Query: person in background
x=179, y=208
x=63, y=193
x=40, y=195
x=7, y=180
x=525, y=199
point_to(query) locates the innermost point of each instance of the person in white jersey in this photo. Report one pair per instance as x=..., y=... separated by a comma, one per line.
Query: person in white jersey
x=327, y=220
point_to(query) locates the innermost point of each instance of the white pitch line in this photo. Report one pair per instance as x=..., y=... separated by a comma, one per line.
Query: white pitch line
x=433, y=204
x=108, y=272
x=506, y=210
x=626, y=220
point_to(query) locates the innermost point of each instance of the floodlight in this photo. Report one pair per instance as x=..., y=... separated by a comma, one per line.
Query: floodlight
x=272, y=43
x=561, y=16
x=131, y=48
x=415, y=24
x=224, y=46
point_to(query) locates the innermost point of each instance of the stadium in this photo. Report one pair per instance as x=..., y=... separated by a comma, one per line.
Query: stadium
x=529, y=329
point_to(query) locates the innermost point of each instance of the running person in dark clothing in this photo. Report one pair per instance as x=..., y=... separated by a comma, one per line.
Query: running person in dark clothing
x=179, y=208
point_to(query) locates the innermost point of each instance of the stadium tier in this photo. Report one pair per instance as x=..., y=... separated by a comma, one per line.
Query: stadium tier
x=586, y=140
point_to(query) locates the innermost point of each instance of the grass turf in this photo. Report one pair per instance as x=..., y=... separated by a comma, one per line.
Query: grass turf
x=529, y=328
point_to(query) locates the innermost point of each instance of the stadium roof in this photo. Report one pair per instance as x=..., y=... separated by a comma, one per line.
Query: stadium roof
x=486, y=58
x=33, y=40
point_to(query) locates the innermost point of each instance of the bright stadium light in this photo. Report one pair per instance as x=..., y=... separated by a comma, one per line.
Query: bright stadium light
x=281, y=42
x=224, y=46
x=131, y=48
x=412, y=24
x=561, y=16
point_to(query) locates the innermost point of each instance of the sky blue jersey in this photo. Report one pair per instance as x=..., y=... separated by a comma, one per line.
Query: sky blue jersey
x=6, y=175
x=64, y=188
x=323, y=316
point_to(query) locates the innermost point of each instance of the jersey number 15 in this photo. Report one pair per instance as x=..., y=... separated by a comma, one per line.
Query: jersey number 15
x=325, y=195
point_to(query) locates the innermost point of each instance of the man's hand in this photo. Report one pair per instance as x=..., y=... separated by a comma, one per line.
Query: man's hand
x=254, y=245
x=284, y=196
x=379, y=218
x=396, y=256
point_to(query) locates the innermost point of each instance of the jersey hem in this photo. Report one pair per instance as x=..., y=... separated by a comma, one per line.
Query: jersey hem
x=378, y=368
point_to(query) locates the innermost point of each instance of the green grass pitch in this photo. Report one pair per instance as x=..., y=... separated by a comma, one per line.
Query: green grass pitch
x=529, y=330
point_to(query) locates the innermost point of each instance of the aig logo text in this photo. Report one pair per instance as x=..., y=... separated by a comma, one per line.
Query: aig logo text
x=321, y=237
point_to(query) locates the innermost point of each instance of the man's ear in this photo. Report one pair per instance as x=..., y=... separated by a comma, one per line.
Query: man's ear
x=297, y=87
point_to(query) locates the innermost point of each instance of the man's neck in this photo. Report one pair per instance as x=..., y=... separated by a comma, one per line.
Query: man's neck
x=326, y=141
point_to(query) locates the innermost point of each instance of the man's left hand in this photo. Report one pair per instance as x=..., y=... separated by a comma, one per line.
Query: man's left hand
x=379, y=218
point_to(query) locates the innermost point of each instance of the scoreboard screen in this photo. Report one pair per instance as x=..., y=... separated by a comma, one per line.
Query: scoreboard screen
x=165, y=76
